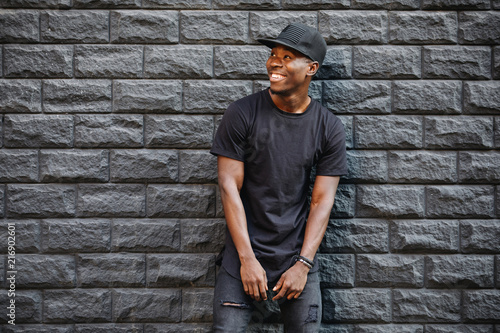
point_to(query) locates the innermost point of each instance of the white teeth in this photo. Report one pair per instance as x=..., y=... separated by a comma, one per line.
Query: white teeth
x=276, y=76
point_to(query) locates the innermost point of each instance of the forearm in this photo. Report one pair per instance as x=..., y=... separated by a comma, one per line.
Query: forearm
x=236, y=222
x=322, y=200
x=317, y=223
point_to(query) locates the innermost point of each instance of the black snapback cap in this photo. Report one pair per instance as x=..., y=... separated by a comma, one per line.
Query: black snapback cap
x=302, y=38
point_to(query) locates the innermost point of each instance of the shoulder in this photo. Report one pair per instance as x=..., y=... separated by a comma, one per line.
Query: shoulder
x=327, y=117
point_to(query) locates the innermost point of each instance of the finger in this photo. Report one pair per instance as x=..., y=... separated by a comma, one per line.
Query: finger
x=279, y=284
x=263, y=291
x=281, y=294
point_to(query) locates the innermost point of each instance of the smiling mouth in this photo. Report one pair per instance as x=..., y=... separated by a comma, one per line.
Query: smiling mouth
x=276, y=77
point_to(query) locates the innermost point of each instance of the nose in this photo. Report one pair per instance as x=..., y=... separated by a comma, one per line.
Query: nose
x=275, y=61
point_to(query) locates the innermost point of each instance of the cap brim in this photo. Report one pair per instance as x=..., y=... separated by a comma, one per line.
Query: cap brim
x=272, y=42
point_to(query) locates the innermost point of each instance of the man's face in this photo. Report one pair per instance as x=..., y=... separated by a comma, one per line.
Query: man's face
x=288, y=71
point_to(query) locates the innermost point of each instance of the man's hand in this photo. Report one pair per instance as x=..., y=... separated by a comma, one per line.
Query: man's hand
x=292, y=282
x=254, y=279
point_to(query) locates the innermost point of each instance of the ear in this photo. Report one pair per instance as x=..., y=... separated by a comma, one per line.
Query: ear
x=313, y=68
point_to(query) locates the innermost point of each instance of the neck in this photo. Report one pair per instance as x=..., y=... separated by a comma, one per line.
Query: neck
x=296, y=103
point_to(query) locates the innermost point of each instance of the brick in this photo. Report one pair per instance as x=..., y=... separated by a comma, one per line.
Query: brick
x=44, y=61
x=74, y=27
x=387, y=62
x=111, y=200
x=353, y=27
x=180, y=270
x=426, y=306
x=459, y=271
x=384, y=271
x=496, y=5
x=423, y=27
x=422, y=167
x=240, y=62
x=137, y=26
x=459, y=132
x=476, y=309
x=401, y=201
x=37, y=3
x=336, y=270
x=229, y=27
x=111, y=270
x=479, y=28
x=26, y=131
x=197, y=305
x=146, y=236
x=455, y=4
x=391, y=5
x=108, y=61
x=391, y=328
x=179, y=131
x=457, y=62
x=18, y=165
x=109, y=131
x=212, y=96
x=40, y=201
x=76, y=96
x=129, y=166
x=345, y=201
x=178, y=62
x=28, y=309
x=496, y=62
x=353, y=96
x=38, y=329
x=107, y=3
x=110, y=328
x=337, y=64
x=366, y=166
x=497, y=264
x=496, y=133
x=269, y=25
x=427, y=236
x=358, y=236
x=459, y=328
x=70, y=236
x=428, y=97
x=368, y=305
x=45, y=271
x=20, y=96
x=181, y=201
x=480, y=236
x=147, y=96
x=2, y=201
x=146, y=305
x=177, y=4
x=27, y=236
x=317, y=4
x=177, y=328
x=460, y=201
x=246, y=4
x=482, y=97
x=347, y=122
x=316, y=90
x=72, y=166
x=201, y=236
x=479, y=167
x=19, y=26
x=398, y=132
x=197, y=166
x=77, y=306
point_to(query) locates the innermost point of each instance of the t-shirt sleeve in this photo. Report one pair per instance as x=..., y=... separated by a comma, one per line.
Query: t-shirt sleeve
x=333, y=161
x=231, y=136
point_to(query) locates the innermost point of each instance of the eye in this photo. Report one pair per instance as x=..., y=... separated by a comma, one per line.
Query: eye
x=287, y=57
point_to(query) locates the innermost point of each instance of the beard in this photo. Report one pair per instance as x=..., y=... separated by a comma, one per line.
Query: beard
x=285, y=92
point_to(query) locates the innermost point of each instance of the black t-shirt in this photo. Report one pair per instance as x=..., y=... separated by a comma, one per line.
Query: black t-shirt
x=278, y=149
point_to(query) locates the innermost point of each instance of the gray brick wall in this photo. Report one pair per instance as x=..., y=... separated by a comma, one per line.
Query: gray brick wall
x=108, y=109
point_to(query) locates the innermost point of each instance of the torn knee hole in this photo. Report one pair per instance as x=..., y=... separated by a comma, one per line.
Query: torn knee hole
x=235, y=304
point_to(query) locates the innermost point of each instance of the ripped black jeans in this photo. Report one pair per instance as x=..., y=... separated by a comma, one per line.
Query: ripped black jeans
x=234, y=310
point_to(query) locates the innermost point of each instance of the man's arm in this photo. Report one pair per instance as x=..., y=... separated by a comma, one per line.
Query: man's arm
x=253, y=276
x=292, y=282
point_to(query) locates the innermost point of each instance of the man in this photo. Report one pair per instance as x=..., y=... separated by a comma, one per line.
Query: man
x=266, y=146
